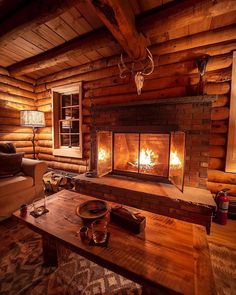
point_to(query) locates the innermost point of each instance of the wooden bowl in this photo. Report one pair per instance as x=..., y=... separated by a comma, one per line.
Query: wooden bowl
x=83, y=212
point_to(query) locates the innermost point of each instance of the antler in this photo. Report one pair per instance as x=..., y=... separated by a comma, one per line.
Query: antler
x=150, y=57
x=123, y=68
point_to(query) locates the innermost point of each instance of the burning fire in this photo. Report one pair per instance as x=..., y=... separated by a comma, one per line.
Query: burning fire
x=145, y=157
x=174, y=160
x=102, y=155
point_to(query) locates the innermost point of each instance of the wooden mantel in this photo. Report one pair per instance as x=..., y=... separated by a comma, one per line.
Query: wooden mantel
x=163, y=101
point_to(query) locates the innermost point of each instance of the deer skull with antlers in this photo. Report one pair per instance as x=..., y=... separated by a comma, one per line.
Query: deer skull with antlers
x=138, y=75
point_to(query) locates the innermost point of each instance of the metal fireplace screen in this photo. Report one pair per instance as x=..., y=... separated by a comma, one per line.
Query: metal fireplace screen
x=142, y=154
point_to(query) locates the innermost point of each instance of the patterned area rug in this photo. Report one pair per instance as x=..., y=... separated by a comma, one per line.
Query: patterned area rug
x=224, y=268
x=22, y=271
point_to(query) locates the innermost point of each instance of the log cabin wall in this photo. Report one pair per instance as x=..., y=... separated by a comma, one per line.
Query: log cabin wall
x=16, y=95
x=175, y=75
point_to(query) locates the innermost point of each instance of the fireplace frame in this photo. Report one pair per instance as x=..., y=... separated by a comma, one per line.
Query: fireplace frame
x=161, y=129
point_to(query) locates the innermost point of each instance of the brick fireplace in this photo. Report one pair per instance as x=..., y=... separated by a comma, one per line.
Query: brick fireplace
x=192, y=118
x=136, y=128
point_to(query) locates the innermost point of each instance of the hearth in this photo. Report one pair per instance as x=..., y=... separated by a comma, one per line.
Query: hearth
x=153, y=156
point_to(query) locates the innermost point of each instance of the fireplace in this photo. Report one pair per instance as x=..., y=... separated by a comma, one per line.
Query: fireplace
x=154, y=156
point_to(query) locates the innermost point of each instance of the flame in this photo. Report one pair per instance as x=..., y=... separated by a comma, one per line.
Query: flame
x=145, y=157
x=102, y=155
x=174, y=160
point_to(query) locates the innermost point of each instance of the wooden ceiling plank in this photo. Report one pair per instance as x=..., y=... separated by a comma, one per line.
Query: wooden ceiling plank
x=6, y=60
x=59, y=26
x=27, y=46
x=89, y=15
x=47, y=33
x=118, y=17
x=71, y=17
x=15, y=51
x=30, y=16
x=38, y=41
x=76, y=47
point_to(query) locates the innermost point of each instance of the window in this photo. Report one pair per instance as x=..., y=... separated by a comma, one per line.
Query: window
x=67, y=121
x=231, y=149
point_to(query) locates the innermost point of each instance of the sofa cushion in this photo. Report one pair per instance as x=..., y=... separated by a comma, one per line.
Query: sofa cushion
x=7, y=147
x=10, y=164
x=14, y=184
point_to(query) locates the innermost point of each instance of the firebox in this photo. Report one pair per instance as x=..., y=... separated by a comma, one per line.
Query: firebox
x=153, y=156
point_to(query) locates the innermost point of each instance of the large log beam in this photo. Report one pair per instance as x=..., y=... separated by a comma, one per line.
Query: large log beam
x=29, y=15
x=64, y=52
x=119, y=18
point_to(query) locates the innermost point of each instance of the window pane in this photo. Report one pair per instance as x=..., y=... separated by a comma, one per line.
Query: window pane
x=65, y=126
x=66, y=113
x=75, y=113
x=75, y=99
x=75, y=127
x=65, y=140
x=65, y=100
x=75, y=140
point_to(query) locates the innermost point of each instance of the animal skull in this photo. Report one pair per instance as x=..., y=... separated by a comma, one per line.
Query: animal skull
x=139, y=80
x=139, y=75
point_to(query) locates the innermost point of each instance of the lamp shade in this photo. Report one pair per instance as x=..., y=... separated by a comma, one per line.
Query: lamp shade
x=32, y=119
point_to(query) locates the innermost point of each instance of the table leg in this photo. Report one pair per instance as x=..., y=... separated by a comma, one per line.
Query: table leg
x=49, y=252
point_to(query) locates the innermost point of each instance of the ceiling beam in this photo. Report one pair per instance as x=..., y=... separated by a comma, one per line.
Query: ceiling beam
x=29, y=15
x=118, y=17
x=180, y=15
x=92, y=41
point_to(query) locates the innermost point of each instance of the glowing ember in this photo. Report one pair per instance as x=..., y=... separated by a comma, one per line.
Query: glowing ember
x=174, y=160
x=102, y=155
x=145, y=157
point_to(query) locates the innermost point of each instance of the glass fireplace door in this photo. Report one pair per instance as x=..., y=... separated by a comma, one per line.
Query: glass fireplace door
x=177, y=158
x=104, y=152
x=142, y=153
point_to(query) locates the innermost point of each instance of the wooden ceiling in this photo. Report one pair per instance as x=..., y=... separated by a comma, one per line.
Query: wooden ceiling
x=79, y=20
x=76, y=21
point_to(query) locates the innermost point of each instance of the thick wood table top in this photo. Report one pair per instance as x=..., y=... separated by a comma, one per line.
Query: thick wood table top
x=170, y=254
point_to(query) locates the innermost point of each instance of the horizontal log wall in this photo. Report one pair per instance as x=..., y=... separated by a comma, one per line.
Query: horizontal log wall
x=16, y=95
x=175, y=75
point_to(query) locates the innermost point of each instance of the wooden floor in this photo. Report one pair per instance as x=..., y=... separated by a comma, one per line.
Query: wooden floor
x=224, y=234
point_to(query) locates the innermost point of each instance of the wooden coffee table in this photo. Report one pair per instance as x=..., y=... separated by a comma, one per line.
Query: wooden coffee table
x=170, y=255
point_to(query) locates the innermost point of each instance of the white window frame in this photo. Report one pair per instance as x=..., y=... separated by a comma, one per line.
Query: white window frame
x=72, y=152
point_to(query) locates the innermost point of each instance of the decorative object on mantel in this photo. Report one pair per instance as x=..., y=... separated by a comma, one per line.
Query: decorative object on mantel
x=201, y=63
x=34, y=119
x=139, y=74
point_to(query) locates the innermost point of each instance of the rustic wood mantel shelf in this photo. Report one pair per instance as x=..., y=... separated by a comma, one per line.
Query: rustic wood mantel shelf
x=194, y=205
x=161, y=101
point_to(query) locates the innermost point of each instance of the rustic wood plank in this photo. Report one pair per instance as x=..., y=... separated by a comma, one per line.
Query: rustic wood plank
x=28, y=17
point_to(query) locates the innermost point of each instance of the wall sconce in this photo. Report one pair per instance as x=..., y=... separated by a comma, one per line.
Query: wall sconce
x=34, y=119
x=201, y=63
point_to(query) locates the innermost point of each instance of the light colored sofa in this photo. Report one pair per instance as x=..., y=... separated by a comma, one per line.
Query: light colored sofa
x=23, y=188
